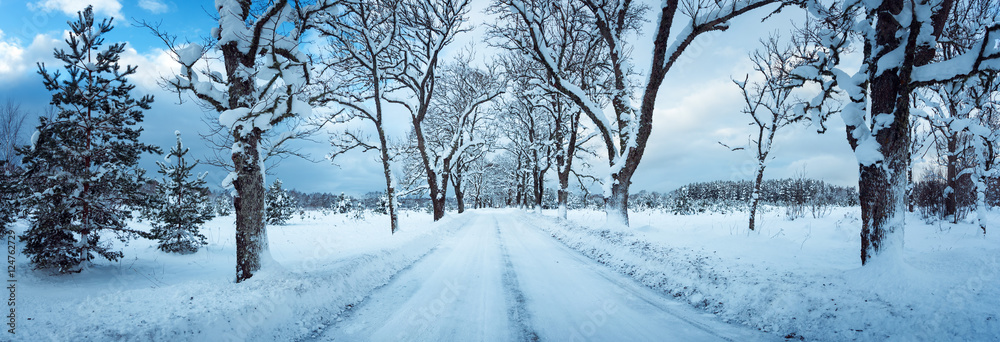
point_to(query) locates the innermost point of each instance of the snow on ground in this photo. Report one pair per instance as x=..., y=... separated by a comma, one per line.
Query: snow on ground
x=803, y=278
x=502, y=279
x=337, y=277
x=323, y=265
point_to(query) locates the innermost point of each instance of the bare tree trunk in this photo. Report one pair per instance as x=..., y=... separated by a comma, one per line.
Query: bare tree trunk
x=616, y=206
x=755, y=197
x=437, y=204
x=537, y=184
x=523, y=188
x=564, y=164
x=882, y=185
x=459, y=196
x=951, y=193
x=518, y=178
x=251, y=234
x=437, y=196
x=390, y=190
x=444, y=191
x=881, y=212
x=563, y=194
x=910, y=201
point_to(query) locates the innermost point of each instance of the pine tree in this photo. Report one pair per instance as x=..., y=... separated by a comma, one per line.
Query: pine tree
x=8, y=197
x=180, y=206
x=280, y=205
x=82, y=178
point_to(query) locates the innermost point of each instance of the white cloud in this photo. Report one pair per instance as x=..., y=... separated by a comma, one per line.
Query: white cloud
x=11, y=57
x=112, y=8
x=151, y=67
x=692, y=117
x=154, y=6
x=18, y=60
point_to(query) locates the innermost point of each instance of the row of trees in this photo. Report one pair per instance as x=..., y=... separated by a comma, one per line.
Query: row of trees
x=939, y=60
x=565, y=60
x=789, y=192
x=568, y=60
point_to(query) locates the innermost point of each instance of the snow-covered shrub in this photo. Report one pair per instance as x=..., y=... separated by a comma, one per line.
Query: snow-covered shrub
x=929, y=198
x=795, y=211
x=223, y=204
x=280, y=205
x=343, y=205
x=376, y=202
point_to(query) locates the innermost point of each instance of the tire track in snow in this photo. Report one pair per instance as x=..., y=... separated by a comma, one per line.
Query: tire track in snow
x=500, y=278
x=517, y=313
x=454, y=294
x=331, y=317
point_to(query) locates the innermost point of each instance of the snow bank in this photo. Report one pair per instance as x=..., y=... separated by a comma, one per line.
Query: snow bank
x=803, y=279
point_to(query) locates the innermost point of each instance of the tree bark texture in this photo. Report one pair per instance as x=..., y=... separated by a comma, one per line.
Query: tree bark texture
x=459, y=195
x=882, y=185
x=390, y=190
x=755, y=197
x=251, y=233
x=951, y=197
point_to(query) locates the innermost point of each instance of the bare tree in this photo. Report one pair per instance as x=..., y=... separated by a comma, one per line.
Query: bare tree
x=949, y=104
x=12, y=118
x=899, y=40
x=261, y=87
x=527, y=27
x=427, y=27
x=569, y=140
x=770, y=105
x=528, y=130
x=362, y=54
x=920, y=137
x=987, y=141
x=456, y=126
x=944, y=104
x=578, y=49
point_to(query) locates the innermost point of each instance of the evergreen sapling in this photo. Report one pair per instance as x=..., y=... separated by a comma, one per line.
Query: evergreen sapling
x=181, y=205
x=280, y=206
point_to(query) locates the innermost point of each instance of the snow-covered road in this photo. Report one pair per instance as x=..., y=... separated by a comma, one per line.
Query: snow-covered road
x=499, y=278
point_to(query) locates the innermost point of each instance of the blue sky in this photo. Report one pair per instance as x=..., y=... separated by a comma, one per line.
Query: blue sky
x=698, y=105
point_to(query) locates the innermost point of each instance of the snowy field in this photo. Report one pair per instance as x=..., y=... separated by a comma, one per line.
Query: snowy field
x=803, y=278
x=324, y=265
x=345, y=279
